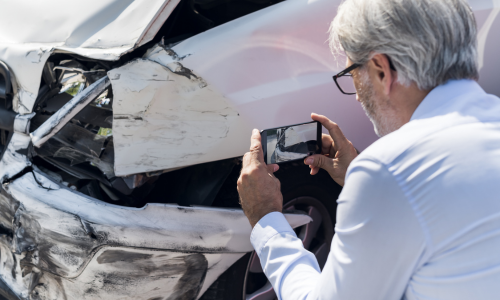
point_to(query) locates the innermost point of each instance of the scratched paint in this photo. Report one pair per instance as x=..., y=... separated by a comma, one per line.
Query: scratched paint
x=26, y=63
x=54, y=248
x=132, y=273
x=59, y=244
x=101, y=29
x=118, y=272
x=165, y=116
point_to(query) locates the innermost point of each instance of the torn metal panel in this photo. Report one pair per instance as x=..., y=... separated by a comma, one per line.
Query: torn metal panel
x=216, y=229
x=165, y=116
x=63, y=245
x=206, y=92
x=26, y=62
x=131, y=273
x=58, y=232
x=123, y=273
x=102, y=29
x=57, y=121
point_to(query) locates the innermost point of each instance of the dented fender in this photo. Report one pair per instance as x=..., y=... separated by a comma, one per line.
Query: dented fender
x=61, y=237
x=166, y=116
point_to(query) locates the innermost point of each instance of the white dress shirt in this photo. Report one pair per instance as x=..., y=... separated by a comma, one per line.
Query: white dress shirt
x=418, y=217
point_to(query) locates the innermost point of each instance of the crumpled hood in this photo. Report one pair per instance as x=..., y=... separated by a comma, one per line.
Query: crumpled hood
x=101, y=29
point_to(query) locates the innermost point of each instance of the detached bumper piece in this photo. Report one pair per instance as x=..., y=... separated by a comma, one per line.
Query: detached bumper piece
x=58, y=244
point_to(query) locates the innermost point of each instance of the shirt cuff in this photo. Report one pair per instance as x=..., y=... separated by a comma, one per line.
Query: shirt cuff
x=270, y=225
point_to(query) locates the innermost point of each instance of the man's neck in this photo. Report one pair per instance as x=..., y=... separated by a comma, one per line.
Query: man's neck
x=405, y=100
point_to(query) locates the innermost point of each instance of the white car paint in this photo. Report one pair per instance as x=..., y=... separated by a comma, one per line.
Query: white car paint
x=258, y=71
x=163, y=120
x=268, y=69
x=100, y=29
x=68, y=230
x=232, y=59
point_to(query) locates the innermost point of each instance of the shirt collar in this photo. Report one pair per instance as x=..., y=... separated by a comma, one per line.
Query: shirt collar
x=444, y=93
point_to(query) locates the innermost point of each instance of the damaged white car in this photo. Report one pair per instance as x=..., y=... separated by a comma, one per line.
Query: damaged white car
x=122, y=124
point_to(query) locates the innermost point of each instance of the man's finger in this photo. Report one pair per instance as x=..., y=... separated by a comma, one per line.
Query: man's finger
x=246, y=159
x=319, y=161
x=257, y=155
x=338, y=137
x=272, y=168
x=314, y=170
x=327, y=144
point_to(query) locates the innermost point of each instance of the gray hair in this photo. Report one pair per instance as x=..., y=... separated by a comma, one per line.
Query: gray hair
x=428, y=41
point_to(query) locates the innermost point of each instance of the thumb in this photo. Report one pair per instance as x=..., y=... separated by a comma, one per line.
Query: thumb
x=320, y=161
x=272, y=168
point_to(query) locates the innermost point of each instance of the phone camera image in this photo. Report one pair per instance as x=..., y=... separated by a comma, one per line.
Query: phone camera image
x=291, y=142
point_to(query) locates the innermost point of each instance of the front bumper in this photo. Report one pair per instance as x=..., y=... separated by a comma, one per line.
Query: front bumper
x=60, y=244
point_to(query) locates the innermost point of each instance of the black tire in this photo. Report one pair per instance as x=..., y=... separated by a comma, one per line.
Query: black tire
x=296, y=182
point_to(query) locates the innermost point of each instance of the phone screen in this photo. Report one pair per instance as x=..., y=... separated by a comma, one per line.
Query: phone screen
x=292, y=142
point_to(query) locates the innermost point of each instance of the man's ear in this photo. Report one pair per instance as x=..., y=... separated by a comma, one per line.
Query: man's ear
x=381, y=72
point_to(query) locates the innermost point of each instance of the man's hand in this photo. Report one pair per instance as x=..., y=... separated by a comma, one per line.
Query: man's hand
x=260, y=191
x=337, y=152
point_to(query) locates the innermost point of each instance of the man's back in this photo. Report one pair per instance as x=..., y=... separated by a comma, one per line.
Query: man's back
x=440, y=172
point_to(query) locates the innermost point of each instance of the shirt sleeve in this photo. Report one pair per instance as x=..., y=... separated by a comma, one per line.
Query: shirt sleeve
x=378, y=244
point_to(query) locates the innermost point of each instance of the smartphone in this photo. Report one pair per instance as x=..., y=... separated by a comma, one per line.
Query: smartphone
x=289, y=143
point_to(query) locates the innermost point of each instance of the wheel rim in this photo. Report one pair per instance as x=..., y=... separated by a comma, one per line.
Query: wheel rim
x=316, y=237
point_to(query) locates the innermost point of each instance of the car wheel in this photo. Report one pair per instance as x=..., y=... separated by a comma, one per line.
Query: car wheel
x=313, y=195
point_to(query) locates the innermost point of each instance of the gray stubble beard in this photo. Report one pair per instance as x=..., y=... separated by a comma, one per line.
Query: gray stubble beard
x=378, y=109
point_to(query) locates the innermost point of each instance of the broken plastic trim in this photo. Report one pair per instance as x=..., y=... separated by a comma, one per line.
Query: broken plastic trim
x=68, y=111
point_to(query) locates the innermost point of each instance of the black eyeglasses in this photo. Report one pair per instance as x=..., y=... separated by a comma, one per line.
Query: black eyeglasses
x=344, y=81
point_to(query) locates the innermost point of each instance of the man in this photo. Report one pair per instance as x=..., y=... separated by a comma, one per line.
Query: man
x=419, y=214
